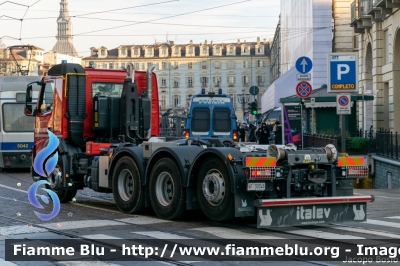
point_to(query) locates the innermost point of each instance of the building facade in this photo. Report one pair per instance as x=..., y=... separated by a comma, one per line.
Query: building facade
x=376, y=25
x=305, y=29
x=64, y=32
x=21, y=60
x=184, y=69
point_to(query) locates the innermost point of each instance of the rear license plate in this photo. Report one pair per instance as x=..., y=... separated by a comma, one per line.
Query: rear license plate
x=255, y=186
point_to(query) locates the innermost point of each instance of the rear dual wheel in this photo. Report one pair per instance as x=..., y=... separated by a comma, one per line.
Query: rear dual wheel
x=214, y=190
x=127, y=186
x=167, y=195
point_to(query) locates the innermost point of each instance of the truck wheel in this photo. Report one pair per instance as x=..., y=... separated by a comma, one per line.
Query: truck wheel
x=127, y=186
x=56, y=178
x=167, y=194
x=213, y=190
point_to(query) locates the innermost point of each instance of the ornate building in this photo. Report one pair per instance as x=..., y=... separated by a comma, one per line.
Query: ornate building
x=183, y=69
x=64, y=38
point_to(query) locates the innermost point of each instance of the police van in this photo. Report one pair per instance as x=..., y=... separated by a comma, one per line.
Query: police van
x=211, y=115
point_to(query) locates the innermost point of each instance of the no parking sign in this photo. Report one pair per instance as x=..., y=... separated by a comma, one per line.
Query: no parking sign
x=343, y=104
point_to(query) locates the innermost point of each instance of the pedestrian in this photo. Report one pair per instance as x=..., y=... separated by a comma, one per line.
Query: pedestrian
x=242, y=133
x=263, y=134
x=278, y=132
x=252, y=133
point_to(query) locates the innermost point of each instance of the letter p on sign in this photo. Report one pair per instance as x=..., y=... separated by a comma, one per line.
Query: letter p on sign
x=342, y=69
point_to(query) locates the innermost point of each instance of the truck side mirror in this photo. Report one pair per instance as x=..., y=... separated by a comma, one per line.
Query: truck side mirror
x=28, y=110
x=29, y=94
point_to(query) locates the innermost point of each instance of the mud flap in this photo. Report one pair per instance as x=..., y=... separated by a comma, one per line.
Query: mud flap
x=244, y=204
x=311, y=211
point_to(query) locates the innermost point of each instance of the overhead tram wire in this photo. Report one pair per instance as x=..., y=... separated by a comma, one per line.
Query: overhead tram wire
x=109, y=11
x=177, y=15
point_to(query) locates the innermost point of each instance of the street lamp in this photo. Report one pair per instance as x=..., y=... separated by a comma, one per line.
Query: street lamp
x=243, y=99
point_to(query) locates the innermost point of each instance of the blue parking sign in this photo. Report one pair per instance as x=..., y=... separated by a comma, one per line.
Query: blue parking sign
x=342, y=72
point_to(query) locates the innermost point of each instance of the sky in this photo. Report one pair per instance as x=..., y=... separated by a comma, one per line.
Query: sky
x=98, y=23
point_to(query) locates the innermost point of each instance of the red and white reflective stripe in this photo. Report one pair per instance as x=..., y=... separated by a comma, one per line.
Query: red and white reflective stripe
x=312, y=201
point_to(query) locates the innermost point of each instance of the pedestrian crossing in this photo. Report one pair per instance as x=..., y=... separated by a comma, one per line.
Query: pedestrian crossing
x=225, y=232
x=145, y=227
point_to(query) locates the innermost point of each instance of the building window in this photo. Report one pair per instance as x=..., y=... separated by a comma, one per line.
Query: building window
x=190, y=82
x=176, y=65
x=142, y=66
x=163, y=101
x=245, y=64
x=123, y=51
x=176, y=50
x=136, y=51
x=111, y=66
x=218, y=50
x=231, y=50
x=231, y=64
x=386, y=47
x=103, y=52
x=204, y=81
x=122, y=65
x=149, y=51
x=217, y=81
x=204, y=51
x=231, y=81
x=163, y=82
x=163, y=51
x=203, y=64
x=260, y=63
x=258, y=50
x=136, y=66
x=164, y=65
x=260, y=81
x=176, y=82
x=245, y=49
x=176, y=100
x=190, y=65
x=217, y=64
x=190, y=50
x=104, y=65
x=245, y=80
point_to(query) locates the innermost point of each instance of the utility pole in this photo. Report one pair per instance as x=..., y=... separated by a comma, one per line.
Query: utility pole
x=243, y=99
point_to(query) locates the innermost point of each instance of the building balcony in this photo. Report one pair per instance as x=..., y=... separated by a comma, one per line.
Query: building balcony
x=360, y=19
x=365, y=12
x=381, y=8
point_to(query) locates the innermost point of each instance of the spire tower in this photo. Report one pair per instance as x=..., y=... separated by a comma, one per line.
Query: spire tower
x=64, y=38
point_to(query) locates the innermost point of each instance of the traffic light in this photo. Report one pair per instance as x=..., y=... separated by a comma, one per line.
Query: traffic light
x=250, y=107
x=254, y=110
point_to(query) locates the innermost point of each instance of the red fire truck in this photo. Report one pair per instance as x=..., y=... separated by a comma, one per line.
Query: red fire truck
x=105, y=123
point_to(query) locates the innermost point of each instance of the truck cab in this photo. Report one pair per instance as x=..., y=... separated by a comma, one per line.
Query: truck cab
x=211, y=115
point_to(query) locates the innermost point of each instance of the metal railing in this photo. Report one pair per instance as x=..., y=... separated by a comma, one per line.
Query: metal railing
x=364, y=6
x=354, y=11
x=172, y=126
x=361, y=142
x=387, y=144
x=318, y=140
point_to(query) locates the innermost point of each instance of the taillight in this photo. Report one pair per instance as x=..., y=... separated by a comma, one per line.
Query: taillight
x=187, y=134
x=235, y=135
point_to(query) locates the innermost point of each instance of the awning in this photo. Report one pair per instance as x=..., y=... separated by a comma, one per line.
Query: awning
x=323, y=104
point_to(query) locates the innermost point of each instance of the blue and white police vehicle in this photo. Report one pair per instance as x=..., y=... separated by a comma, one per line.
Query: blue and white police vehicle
x=211, y=115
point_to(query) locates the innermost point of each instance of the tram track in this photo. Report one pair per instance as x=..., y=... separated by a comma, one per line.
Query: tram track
x=104, y=205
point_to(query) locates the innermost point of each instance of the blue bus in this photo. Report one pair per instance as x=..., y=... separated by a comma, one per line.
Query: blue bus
x=211, y=115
